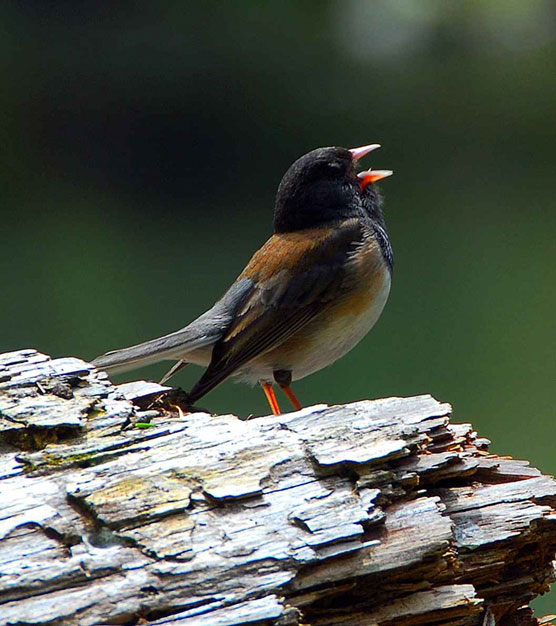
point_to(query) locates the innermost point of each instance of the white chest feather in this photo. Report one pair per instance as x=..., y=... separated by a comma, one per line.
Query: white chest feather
x=328, y=337
x=344, y=332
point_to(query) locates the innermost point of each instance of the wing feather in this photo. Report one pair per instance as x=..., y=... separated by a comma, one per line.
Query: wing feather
x=312, y=275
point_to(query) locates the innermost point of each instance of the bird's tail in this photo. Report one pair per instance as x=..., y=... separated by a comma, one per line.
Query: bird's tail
x=203, y=332
x=174, y=346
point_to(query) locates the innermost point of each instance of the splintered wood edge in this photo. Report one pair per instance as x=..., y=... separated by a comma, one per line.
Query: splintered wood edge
x=377, y=510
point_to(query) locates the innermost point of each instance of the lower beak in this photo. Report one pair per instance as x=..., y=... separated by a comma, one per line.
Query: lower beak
x=372, y=176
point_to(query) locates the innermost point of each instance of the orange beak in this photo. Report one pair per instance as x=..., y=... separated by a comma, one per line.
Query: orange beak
x=372, y=176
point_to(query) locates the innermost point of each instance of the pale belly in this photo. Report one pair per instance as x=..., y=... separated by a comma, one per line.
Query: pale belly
x=327, y=338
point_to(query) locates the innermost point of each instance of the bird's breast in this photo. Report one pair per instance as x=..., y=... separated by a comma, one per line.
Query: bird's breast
x=334, y=332
x=339, y=329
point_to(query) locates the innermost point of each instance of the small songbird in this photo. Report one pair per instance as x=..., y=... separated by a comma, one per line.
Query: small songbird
x=306, y=298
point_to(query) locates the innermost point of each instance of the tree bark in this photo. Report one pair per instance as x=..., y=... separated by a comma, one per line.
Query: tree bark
x=118, y=507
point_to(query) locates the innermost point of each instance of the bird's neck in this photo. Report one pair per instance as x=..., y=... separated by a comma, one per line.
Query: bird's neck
x=374, y=217
x=318, y=205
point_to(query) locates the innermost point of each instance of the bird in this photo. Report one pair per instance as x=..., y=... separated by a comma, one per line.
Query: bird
x=306, y=297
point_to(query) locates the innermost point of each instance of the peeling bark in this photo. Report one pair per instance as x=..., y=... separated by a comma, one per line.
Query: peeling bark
x=377, y=512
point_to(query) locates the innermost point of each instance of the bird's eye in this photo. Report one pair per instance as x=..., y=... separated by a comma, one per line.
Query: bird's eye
x=334, y=167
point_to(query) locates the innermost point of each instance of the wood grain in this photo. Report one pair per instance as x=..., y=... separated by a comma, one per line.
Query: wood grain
x=376, y=512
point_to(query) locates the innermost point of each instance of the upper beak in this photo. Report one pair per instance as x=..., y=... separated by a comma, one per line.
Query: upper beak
x=359, y=153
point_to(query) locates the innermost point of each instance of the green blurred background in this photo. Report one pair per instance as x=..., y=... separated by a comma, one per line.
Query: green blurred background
x=142, y=143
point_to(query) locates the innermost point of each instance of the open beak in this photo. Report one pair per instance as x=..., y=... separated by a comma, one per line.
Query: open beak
x=372, y=176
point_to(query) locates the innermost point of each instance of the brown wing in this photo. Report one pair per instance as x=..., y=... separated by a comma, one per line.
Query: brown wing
x=295, y=277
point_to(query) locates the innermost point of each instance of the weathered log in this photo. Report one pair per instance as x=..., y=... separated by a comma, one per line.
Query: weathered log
x=376, y=512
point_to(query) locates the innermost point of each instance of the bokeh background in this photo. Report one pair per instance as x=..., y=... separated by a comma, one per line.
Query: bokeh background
x=142, y=142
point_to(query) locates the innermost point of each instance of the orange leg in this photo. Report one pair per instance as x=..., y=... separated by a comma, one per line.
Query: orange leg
x=271, y=397
x=293, y=399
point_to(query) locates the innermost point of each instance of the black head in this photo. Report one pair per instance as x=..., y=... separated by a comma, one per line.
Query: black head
x=320, y=187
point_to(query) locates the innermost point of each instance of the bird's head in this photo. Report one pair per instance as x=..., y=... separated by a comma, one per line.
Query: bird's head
x=323, y=186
